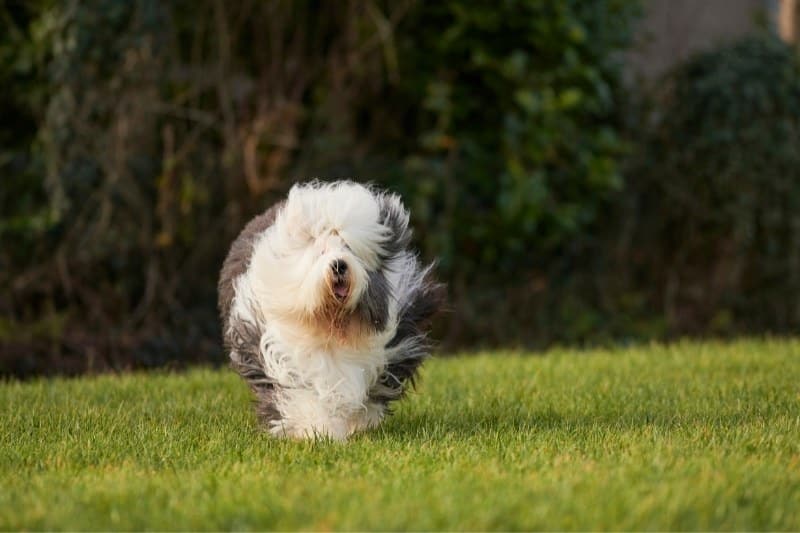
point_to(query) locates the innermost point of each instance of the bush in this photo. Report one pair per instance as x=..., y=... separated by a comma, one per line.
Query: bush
x=164, y=128
x=152, y=131
x=518, y=149
x=719, y=182
x=24, y=47
x=518, y=140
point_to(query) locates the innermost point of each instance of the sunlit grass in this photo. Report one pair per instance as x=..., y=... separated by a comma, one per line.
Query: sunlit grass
x=692, y=436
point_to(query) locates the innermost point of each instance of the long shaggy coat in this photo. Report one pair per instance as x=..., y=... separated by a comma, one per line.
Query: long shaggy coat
x=325, y=310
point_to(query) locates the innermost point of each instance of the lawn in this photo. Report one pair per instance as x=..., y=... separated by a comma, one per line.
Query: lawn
x=688, y=436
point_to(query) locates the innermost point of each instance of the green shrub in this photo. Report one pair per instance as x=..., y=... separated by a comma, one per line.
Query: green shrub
x=719, y=180
x=25, y=44
x=518, y=141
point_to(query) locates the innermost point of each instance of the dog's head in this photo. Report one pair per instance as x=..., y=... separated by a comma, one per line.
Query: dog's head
x=325, y=258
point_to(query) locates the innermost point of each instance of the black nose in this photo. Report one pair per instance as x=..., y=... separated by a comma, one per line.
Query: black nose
x=339, y=267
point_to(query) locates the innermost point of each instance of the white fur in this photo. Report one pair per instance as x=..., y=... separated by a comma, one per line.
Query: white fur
x=324, y=376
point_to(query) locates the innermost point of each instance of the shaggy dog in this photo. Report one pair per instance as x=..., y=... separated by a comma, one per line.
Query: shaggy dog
x=324, y=309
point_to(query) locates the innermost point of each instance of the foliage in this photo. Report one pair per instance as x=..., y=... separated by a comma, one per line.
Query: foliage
x=719, y=186
x=517, y=128
x=686, y=437
x=25, y=43
x=162, y=130
x=153, y=131
x=138, y=137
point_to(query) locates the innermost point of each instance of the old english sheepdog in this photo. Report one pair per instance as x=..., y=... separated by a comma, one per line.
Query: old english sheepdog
x=325, y=310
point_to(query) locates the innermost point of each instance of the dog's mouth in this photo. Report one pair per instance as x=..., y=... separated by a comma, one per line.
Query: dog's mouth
x=340, y=288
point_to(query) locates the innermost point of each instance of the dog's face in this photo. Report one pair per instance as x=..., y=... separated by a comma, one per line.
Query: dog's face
x=324, y=257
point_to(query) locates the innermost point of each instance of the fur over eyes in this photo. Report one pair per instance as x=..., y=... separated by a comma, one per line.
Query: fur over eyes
x=325, y=310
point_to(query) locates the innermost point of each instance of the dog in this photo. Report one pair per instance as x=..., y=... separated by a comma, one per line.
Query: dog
x=325, y=310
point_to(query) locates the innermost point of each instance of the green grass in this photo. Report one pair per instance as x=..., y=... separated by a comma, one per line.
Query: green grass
x=691, y=436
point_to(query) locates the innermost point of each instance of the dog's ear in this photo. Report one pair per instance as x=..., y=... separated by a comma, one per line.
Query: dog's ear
x=394, y=216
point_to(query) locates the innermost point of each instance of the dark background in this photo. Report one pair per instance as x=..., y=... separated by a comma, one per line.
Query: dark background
x=567, y=198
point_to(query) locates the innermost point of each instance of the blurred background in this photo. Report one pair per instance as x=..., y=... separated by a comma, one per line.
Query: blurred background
x=585, y=171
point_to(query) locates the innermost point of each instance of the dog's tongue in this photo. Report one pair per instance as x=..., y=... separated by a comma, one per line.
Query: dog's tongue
x=340, y=290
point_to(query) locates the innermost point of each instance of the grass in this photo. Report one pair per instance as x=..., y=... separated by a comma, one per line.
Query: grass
x=690, y=436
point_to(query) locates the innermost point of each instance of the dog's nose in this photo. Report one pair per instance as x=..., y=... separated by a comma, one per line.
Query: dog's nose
x=339, y=267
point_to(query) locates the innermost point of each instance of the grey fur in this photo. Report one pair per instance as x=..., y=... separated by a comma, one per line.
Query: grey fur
x=242, y=339
x=395, y=217
x=410, y=340
x=374, y=305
